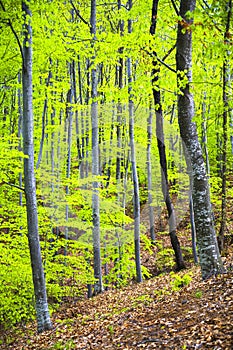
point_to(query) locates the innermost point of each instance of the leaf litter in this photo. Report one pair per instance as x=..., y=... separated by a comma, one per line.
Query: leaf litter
x=149, y=315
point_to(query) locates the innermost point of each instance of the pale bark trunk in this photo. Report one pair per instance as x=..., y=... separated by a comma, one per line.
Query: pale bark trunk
x=193, y=230
x=69, y=118
x=149, y=177
x=208, y=252
x=43, y=318
x=98, y=286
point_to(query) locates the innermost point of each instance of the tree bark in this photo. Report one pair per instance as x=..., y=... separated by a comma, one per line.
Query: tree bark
x=149, y=177
x=43, y=318
x=226, y=79
x=98, y=286
x=69, y=119
x=162, y=150
x=210, y=259
x=136, y=196
x=43, y=122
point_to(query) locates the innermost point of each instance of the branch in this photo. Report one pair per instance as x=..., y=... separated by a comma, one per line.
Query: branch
x=13, y=185
x=78, y=14
x=14, y=32
x=7, y=80
x=162, y=60
x=169, y=52
x=166, y=65
x=207, y=5
x=208, y=14
x=175, y=8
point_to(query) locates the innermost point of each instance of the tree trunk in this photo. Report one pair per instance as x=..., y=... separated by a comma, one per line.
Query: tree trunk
x=98, y=286
x=43, y=122
x=43, y=318
x=149, y=177
x=136, y=197
x=69, y=119
x=210, y=259
x=162, y=151
x=193, y=230
x=226, y=79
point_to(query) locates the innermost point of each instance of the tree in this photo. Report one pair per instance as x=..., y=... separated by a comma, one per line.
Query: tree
x=162, y=150
x=210, y=259
x=136, y=195
x=43, y=318
x=98, y=287
x=226, y=84
x=149, y=176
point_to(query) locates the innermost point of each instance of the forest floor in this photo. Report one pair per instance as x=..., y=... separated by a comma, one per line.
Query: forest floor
x=169, y=311
x=149, y=315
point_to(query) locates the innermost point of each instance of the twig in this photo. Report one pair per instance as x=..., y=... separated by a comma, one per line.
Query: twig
x=13, y=185
x=78, y=14
x=14, y=32
x=166, y=65
x=161, y=61
x=175, y=8
x=169, y=52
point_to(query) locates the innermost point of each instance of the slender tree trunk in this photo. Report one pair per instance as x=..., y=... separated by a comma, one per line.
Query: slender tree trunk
x=149, y=177
x=226, y=79
x=193, y=230
x=109, y=165
x=43, y=318
x=98, y=286
x=81, y=135
x=119, y=135
x=43, y=122
x=69, y=118
x=136, y=197
x=210, y=260
x=204, y=134
x=162, y=152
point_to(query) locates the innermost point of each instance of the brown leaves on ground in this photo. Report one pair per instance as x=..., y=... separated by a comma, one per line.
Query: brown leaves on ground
x=142, y=316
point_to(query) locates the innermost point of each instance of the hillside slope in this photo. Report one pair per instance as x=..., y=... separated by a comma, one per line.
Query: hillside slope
x=171, y=311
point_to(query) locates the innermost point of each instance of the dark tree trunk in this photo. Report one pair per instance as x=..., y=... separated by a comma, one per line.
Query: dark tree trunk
x=136, y=196
x=162, y=151
x=226, y=79
x=208, y=252
x=43, y=123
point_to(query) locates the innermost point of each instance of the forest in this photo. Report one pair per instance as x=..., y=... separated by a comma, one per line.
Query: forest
x=116, y=164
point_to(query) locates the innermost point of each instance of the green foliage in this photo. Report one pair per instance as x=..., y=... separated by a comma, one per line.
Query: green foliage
x=122, y=265
x=147, y=244
x=165, y=256
x=111, y=329
x=144, y=299
x=198, y=294
x=69, y=345
x=17, y=301
x=61, y=37
x=179, y=281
